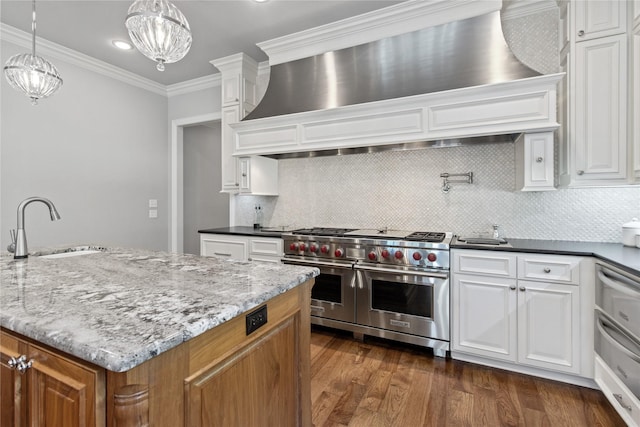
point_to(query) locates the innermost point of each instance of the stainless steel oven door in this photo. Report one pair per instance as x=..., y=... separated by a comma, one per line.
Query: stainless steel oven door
x=333, y=293
x=618, y=296
x=619, y=350
x=411, y=302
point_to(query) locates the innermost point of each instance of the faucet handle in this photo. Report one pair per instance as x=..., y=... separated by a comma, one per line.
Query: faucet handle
x=12, y=246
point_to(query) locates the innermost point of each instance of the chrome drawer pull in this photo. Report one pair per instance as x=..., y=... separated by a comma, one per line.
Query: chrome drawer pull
x=221, y=254
x=316, y=308
x=621, y=402
x=547, y=270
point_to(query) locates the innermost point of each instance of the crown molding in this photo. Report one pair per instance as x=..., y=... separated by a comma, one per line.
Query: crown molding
x=408, y=16
x=194, y=85
x=522, y=8
x=46, y=47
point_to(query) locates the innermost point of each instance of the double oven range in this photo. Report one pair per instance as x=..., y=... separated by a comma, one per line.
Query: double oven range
x=387, y=283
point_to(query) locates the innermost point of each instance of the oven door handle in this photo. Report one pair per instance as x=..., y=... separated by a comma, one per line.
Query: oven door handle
x=603, y=325
x=391, y=271
x=307, y=263
x=617, y=282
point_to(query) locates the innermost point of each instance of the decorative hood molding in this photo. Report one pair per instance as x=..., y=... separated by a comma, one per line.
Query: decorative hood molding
x=423, y=70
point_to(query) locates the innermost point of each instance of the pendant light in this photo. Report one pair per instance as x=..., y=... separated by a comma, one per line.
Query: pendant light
x=32, y=74
x=159, y=31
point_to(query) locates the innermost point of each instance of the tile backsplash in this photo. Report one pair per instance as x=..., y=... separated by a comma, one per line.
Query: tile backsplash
x=402, y=190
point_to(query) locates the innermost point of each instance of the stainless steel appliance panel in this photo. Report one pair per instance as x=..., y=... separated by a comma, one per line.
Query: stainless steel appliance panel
x=333, y=293
x=405, y=301
x=619, y=350
x=618, y=295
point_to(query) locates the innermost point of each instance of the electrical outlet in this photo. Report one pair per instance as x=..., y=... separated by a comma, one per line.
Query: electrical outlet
x=153, y=213
x=153, y=203
x=256, y=319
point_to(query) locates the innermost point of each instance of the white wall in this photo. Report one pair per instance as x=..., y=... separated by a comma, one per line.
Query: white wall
x=98, y=149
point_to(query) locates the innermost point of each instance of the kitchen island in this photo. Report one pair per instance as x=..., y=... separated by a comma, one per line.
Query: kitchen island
x=127, y=337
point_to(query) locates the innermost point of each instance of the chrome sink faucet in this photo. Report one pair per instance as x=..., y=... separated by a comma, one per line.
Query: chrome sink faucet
x=19, y=239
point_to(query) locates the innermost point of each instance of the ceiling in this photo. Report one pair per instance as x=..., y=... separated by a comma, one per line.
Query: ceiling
x=219, y=28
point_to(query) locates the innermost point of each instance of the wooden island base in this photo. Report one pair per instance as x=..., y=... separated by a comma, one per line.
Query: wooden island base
x=222, y=377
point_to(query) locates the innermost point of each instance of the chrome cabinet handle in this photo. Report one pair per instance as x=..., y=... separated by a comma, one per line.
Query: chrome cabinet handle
x=580, y=172
x=581, y=33
x=539, y=160
x=221, y=254
x=547, y=270
x=512, y=287
x=621, y=402
x=20, y=364
x=244, y=174
x=522, y=289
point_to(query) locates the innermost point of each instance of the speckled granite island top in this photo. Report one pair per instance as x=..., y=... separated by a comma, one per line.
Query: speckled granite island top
x=121, y=307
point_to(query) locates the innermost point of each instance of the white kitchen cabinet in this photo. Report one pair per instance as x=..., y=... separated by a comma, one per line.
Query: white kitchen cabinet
x=238, y=82
x=596, y=144
x=600, y=111
x=534, y=162
x=549, y=325
x=636, y=93
x=242, y=248
x=258, y=175
x=485, y=316
x=229, y=164
x=523, y=309
x=598, y=18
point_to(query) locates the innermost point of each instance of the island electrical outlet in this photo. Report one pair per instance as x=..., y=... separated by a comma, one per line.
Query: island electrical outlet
x=256, y=319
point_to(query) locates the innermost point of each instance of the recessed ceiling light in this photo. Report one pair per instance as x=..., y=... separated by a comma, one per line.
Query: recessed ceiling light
x=122, y=44
x=261, y=1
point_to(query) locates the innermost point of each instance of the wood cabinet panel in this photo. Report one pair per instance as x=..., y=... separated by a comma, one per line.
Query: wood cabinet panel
x=257, y=383
x=12, y=403
x=55, y=391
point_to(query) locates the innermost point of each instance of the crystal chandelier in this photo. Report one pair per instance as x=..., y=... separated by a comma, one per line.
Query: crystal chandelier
x=159, y=31
x=31, y=74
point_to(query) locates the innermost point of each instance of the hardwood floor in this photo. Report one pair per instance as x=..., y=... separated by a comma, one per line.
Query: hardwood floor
x=377, y=383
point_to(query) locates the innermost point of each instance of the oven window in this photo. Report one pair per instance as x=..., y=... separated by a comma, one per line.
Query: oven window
x=328, y=287
x=403, y=298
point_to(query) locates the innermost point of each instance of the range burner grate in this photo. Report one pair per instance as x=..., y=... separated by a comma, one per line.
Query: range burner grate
x=323, y=231
x=426, y=236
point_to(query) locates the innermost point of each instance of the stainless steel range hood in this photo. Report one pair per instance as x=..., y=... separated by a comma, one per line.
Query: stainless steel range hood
x=440, y=75
x=464, y=53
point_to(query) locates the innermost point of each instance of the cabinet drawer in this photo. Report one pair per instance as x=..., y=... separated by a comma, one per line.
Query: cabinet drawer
x=269, y=247
x=493, y=264
x=224, y=248
x=550, y=268
x=623, y=401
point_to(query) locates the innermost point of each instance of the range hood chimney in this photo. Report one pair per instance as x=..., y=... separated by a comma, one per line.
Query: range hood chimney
x=464, y=53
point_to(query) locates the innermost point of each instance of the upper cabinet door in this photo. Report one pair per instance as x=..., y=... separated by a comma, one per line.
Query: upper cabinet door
x=599, y=18
x=600, y=111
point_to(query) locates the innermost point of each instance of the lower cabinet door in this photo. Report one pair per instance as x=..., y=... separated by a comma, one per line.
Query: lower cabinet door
x=484, y=323
x=548, y=326
x=61, y=392
x=13, y=408
x=256, y=386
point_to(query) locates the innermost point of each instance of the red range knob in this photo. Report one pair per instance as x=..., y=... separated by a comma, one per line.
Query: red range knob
x=372, y=256
x=324, y=249
x=398, y=254
x=385, y=254
x=313, y=248
x=417, y=256
x=432, y=257
x=293, y=247
x=303, y=247
x=338, y=253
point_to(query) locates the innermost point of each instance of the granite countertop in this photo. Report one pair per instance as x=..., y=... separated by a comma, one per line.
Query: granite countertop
x=120, y=307
x=624, y=257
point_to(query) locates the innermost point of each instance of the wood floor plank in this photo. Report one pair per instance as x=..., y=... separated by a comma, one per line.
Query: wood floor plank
x=384, y=384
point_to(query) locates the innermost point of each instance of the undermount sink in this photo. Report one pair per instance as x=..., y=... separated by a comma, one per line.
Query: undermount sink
x=73, y=252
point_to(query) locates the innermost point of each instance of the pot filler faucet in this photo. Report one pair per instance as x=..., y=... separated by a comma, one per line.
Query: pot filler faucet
x=19, y=239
